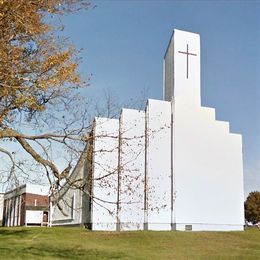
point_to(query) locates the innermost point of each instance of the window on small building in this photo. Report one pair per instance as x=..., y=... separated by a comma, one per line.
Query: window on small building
x=188, y=227
x=73, y=206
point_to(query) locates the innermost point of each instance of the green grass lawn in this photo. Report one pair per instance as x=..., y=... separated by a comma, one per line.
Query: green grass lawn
x=78, y=243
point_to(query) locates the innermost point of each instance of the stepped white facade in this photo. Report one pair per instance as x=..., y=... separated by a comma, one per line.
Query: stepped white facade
x=170, y=167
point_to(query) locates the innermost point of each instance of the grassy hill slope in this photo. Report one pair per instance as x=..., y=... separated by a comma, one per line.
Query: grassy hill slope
x=77, y=243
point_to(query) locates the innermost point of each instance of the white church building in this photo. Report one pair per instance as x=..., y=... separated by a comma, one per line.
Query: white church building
x=170, y=167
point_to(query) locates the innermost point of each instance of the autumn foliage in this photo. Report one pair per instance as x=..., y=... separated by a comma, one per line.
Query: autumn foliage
x=36, y=66
x=38, y=70
x=252, y=207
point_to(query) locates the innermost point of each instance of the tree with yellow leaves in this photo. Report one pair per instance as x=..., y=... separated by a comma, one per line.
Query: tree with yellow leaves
x=38, y=80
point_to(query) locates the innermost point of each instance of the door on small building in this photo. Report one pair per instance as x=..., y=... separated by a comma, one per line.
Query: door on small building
x=45, y=218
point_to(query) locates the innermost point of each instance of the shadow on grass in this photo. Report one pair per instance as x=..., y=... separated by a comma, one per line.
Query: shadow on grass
x=35, y=252
x=14, y=233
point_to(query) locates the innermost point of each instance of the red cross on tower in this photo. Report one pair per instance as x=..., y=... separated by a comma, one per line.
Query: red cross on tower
x=187, y=53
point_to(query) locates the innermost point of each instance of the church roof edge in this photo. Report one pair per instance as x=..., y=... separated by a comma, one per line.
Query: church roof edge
x=171, y=38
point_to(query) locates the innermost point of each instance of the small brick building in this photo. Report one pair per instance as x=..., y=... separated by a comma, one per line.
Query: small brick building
x=27, y=205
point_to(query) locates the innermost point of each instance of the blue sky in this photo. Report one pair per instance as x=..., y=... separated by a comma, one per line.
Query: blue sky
x=124, y=43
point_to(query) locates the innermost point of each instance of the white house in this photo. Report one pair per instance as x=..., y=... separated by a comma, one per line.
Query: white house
x=170, y=167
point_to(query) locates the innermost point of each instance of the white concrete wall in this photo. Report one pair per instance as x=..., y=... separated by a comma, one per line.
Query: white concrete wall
x=15, y=192
x=105, y=174
x=158, y=116
x=168, y=72
x=193, y=166
x=71, y=209
x=1, y=206
x=132, y=169
x=207, y=159
x=184, y=86
x=34, y=216
x=71, y=205
x=16, y=211
x=208, y=170
x=37, y=189
x=28, y=188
